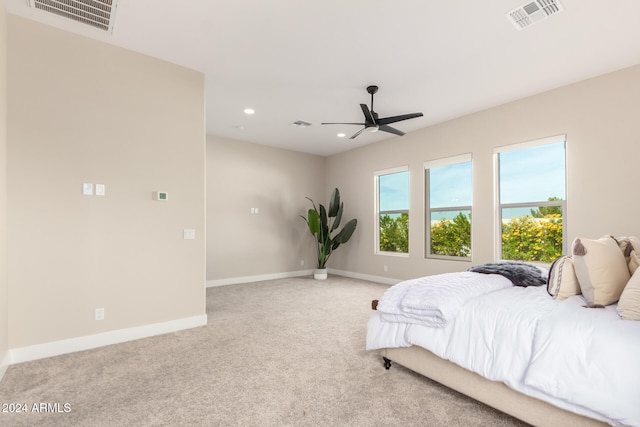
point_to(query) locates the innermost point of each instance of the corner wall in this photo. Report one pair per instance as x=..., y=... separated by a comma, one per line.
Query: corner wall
x=599, y=117
x=4, y=306
x=242, y=245
x=81, y=111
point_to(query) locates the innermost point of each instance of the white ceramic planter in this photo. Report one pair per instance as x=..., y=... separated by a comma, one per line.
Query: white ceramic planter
x=320, y=274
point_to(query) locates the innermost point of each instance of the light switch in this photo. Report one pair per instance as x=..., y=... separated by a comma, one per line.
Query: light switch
x=100, y=190
x=189, y=233
x=87, y=189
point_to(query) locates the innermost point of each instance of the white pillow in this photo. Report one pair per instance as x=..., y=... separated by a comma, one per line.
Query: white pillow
x=600, y=268
x=629, y=304
x=562, y=282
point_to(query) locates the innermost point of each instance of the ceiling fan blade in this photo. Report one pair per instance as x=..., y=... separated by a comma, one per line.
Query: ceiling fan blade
x=389, y=120
x=357, y=133
x=389, y=129
x=367, y=114
x=361, y=124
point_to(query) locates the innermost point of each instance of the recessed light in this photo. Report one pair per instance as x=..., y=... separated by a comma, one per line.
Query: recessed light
x=341, y=135
x=249, y=111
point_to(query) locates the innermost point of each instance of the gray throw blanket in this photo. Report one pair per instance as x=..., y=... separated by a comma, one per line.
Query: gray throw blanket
x=520, y=273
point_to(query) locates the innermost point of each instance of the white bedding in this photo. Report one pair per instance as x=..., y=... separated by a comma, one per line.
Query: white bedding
x=435, y=300
x=590, y=357
x=509, y=335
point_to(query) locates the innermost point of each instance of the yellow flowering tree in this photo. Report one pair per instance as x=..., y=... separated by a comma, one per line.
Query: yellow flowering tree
x=528, y=238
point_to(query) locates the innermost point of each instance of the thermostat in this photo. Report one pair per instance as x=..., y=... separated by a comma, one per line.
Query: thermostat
x=160, y=195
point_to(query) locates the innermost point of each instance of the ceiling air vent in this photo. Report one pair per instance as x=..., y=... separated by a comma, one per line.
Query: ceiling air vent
x=532, y=12
x=300, y=124
x=96, y=13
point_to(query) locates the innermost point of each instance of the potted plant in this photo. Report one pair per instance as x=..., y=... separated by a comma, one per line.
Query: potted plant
x=321, y=224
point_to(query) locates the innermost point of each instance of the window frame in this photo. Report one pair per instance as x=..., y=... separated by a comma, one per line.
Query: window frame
x=430, y=164
x=498, y=206
x=378, y=212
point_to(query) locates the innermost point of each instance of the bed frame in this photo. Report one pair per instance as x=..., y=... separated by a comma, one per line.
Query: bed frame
x=492, y=393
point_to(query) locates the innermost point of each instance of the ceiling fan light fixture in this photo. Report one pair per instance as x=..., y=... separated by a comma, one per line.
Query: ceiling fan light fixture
x=373, y=129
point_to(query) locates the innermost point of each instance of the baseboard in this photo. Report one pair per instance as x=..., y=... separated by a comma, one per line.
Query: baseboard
x=56, y=348
x=4, y=365
x=258, y=278
x=369, y=277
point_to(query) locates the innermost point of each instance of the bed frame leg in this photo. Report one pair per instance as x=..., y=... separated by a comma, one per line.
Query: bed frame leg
x=387, y=363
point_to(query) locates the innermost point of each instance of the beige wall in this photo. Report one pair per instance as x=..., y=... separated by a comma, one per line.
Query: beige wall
x=4, y=346
x=241, y=176
x=599, y=117
x=80, y=111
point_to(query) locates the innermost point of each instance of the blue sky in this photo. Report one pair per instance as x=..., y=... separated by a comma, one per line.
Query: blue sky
x=532, y=174
x=451, y=185
x=529, y=174
x=394, y=191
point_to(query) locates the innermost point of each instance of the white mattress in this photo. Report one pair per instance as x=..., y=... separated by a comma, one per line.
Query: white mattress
x=583, y=360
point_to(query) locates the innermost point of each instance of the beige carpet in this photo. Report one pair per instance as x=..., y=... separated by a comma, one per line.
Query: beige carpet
x=286, y=352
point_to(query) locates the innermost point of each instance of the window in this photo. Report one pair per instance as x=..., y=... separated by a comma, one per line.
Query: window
x=531, y=180
x=392, y=211
x=448, y=183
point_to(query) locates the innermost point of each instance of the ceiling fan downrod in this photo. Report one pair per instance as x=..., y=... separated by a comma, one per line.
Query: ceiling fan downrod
x=372, y=90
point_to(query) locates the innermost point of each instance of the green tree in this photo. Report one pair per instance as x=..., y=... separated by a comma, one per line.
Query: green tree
x=394, y=233
x=452, y=237
x=545, y=211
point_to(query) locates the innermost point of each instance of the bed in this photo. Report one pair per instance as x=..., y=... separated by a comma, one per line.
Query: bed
x=546, y=354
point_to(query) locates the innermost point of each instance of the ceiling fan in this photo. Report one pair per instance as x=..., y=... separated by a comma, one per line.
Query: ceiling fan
x=373, y=123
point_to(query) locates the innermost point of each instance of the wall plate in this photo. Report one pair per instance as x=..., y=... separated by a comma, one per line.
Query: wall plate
x=161, y=195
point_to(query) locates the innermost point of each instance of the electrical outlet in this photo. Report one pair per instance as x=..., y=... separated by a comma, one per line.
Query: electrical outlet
x=99, y=313
x=385, y=268
x=301, y=262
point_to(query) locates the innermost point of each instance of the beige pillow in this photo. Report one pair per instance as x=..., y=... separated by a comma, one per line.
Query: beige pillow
x=634, y=256
x=600, y=268
x=624, y=244
x=629, y=304
x=562, y=282
x=634, y=261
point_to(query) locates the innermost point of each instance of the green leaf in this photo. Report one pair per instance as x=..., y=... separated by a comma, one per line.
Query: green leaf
x=313, y=221
x=336, y=223
x=334, y=203
x=323, y=215
x=345, y=234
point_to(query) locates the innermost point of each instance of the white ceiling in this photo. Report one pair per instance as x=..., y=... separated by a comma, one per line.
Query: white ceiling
x=312, y=60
